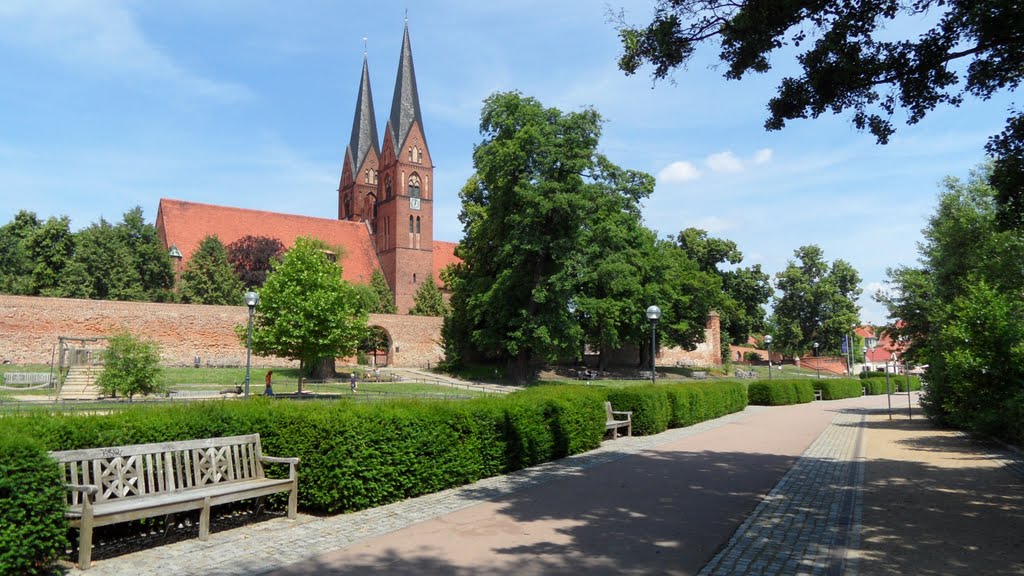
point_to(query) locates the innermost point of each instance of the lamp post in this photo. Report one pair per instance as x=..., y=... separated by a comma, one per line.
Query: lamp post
x=251, y=300
x=817, y=364
x=768, y=341
x=653, y=314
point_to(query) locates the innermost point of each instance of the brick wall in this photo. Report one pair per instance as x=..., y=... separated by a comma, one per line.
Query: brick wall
x=29, y=328
x=707, y=353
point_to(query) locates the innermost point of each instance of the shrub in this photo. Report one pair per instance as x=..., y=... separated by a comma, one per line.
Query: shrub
x=780, y=392
x=131, y=365
x=33, y=532
x=871, y=374
x=649, y=404
x=836, y=389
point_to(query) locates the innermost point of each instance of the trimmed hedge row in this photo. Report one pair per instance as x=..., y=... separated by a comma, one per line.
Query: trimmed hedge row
x=780, y=392
x=836, y=389
x=897, y=383
x=361, y=455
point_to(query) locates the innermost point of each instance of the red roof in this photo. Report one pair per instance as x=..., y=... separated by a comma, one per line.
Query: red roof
x=185, y=224
x=444, y=254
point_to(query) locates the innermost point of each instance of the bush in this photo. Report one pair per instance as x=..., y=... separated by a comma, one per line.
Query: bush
x=836, y=389
x=33, y=532
x=871, y=374
x=780, y=392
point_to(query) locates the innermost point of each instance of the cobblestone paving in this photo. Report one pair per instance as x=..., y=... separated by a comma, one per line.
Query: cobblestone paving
x=266, y=546
x=811, y=518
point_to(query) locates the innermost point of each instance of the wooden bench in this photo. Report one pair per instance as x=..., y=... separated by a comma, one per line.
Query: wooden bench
x=118, y=484
x=27, y=380
x=612, y=424
x=817, y=394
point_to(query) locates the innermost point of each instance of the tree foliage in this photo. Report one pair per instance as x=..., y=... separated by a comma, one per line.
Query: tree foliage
x=960, y=310
x=428, y=300
x=817, y=303
x=850, y=60
x=385, y=300
x=554, y=253
x=131, y=366
x=209, y=278
x=307, y=312
x=103, y=267
x=149, y=258
x=252, y=257
x=15, y=262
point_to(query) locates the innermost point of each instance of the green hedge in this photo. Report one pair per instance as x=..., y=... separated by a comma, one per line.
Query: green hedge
x=838, y=388
x=780, y=392
x=897, y=382
x=33, y=532
x=360, y=455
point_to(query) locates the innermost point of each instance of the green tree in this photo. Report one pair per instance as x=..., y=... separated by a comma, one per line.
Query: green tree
x=960, y=311
x=151, y=261
x=538, y=177
x=131, y=365
x=385, y=300
x=745, y=291
x=102, y=268
x=850, y=59
x=817, y=303
x=15, y=261
x=209, y=278
x=50, y=248
x=307, y=312
x=428, y=300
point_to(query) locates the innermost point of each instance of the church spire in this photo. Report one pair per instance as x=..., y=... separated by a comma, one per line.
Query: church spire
x=364, y=125
x=405, y=106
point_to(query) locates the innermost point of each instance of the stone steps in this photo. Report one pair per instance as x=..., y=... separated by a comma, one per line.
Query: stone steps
x=80, y=384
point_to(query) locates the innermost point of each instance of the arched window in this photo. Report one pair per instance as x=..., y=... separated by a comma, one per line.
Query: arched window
x=410, y=224
x=387, y=187
x=417, y=224
x=414, y=186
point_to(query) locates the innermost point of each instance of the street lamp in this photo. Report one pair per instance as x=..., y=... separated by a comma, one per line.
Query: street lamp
x=251, y=300
x=768, y=341
x=653, y=314
x=865, y=351
x=817, y=364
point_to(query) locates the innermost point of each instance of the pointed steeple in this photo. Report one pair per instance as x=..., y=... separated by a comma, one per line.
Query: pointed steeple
x=405, y=106
x=364, y=125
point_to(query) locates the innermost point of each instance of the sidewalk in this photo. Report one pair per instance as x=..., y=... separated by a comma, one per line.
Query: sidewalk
x=822, y=488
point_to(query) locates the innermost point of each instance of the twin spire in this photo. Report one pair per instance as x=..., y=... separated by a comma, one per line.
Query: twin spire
x=405, y=108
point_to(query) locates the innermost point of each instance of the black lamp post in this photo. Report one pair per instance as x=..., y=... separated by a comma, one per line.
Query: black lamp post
x=817, y=364
x=653, y=314
x=251, y=300
x=768, y=341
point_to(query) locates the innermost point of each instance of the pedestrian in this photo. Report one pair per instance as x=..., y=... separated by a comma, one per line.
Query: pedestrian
x=352, y=381
x=269, y=390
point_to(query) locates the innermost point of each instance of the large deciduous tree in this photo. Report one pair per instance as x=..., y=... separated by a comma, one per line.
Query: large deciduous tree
x=252, y=258
x=817, y=303
x=103, y=267
x=307, y=312
x=960, y=310
x=15, y=261
x=851, y=60
x=209, y=278
x=150, y=260
x=545, y=217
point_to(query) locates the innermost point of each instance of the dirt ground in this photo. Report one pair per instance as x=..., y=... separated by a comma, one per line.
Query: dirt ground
x=935, y=502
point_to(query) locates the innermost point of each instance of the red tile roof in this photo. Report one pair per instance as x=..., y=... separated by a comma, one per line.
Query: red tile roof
x=444, y=254
x=185, y=224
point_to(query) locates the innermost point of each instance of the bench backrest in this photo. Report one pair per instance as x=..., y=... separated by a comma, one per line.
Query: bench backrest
x=132, y=471
x=608, y=411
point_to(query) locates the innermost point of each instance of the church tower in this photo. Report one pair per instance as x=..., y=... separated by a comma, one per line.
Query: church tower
x=357, y=191
x=403, y=227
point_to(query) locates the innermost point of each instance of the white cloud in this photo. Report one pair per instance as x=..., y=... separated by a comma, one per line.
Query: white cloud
x=680, y=171
x=713, y=224
x=763, y=156
x=724, y=162
x=104, y=38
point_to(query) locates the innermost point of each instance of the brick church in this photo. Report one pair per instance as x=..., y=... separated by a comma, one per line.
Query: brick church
x=385, y=201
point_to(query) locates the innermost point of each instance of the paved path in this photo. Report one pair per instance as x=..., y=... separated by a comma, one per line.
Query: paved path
x=769, y=490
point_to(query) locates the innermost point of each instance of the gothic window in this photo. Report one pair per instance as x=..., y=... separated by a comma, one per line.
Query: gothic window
x=387, y=187
x=410, y=224
x=373, y=176
x=417, y=224
x=367, y=179
x=414, y=186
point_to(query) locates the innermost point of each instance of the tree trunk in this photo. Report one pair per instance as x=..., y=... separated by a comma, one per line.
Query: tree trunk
x=519, y=368
x=323, y=369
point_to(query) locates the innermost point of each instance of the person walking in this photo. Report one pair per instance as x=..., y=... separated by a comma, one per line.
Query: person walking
x=352, y=382
x=269, y=389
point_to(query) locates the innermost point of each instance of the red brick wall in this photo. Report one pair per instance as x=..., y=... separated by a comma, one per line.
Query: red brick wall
x=29, y=328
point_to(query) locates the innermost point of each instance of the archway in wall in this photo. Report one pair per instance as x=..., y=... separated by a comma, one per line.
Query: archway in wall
x=376, y=346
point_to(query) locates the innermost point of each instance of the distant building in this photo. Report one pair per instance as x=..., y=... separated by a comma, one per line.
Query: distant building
x=385, y=201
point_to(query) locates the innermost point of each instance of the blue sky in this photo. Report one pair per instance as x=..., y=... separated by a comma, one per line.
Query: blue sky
x=112, y=104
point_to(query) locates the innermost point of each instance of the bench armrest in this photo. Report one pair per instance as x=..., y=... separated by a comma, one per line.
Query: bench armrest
x=627, y=413
x=278, y=460
x=87, y=488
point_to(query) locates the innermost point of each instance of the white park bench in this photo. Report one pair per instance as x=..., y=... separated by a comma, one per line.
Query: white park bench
x=611, y=423
x=118, y=484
